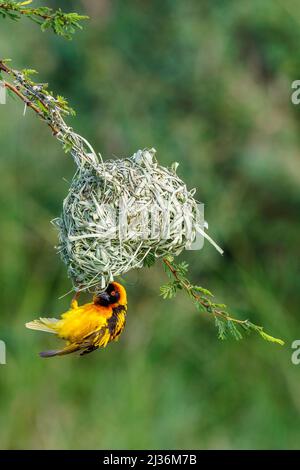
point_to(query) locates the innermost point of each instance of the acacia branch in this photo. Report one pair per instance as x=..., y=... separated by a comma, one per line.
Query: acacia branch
x=207, y=305
x=28, y=103
x=62, y=24
x=51, y=109
x=225, y=323
x=16, y=90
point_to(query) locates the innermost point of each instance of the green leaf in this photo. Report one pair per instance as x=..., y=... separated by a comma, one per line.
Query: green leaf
x=167, y=291
x=203, y=291
x=149, y=260
x=270, y=338
x=62, y=24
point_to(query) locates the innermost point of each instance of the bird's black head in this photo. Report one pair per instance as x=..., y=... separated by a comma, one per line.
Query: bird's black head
x=109, y=297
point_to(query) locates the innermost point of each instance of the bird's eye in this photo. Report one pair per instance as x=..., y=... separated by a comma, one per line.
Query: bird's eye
x=114, y=296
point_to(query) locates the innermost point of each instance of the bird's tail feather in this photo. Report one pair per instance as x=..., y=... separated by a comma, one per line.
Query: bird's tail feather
x=43, y=324
x=60, y=352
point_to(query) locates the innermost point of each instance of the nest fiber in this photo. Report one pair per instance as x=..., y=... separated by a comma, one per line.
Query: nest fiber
x=123, y=214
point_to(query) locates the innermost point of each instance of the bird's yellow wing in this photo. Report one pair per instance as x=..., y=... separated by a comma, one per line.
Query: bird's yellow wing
x=77, y=324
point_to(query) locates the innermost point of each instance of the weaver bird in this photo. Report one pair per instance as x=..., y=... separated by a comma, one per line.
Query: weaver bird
x=89, y=326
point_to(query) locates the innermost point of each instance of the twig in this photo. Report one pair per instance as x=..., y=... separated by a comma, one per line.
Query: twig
x=226, y=324
x=28, y=103
x=50, y=109
x=62, y=24
x=188, y=287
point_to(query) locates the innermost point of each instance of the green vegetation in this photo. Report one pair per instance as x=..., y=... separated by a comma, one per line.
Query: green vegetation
x=202, y=298
x=207, y=84
x=62, y=24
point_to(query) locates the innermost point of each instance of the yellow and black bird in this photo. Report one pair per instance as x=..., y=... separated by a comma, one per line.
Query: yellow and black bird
x=89, y=326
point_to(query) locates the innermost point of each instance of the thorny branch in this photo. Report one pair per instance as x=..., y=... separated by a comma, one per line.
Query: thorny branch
x=206, y=304
x=26, y=101
x=62, y=24
x=226, y=324
x=49, y=108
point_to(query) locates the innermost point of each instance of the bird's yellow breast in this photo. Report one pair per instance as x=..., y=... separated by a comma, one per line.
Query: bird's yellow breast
x=79, y=322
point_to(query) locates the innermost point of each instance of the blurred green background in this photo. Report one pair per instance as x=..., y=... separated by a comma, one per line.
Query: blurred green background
x=208, y=84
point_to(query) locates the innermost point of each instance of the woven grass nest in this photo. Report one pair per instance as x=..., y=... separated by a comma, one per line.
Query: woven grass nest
x=123, y=214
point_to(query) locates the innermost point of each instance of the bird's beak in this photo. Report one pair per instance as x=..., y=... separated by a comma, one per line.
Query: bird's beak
x=102, y=299
x=104, y=296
